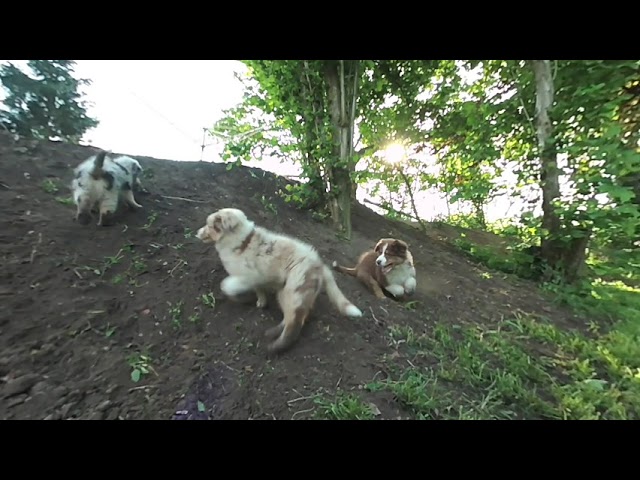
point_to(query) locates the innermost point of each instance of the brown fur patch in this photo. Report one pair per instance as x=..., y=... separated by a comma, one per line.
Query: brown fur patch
x=245, y=243
x=217, y=224
x=311, y=280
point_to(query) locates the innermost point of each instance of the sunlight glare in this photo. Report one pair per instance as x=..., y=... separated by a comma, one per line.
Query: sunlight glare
x=394, y=153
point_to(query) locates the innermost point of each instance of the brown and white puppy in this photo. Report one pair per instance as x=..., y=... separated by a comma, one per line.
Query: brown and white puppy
x=388, y=266
x=100, y=182
x=261, y=261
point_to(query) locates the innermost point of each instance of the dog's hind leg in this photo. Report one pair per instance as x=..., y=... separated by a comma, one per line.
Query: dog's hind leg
x=262, y=298
x=296, y=304
x=374, y=285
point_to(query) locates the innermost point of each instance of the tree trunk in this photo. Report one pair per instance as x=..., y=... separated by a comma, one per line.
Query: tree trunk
x=566, y=258
x=312, y=114
x=342, y=112
x=478, y=206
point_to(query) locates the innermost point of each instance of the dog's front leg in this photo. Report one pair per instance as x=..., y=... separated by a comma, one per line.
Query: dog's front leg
x=395, y=290
x=131, y=201
x=410, y=285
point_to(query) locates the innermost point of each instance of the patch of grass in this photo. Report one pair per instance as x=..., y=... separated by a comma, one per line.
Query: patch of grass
x=138, y=264
x=140, y=365
x=518, y=262
x=344, y=406
x=526, y=368
x=49, y=186
x=65, y=200
x=109, y=330
x=208, y=300
x=175, y=312
x=268, y=205
x=153, y=216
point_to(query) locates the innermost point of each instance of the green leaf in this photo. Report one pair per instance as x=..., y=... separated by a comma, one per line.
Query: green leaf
x=135, y=375
x=201, y=407
x=596, y=384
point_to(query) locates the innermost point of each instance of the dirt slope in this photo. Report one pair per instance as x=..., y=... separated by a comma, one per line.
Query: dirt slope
x=80, y=305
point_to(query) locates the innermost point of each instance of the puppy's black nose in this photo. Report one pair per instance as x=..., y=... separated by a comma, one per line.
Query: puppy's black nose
x=378, y=261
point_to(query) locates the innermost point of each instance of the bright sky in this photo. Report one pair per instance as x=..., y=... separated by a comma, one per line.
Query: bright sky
x=158, y=108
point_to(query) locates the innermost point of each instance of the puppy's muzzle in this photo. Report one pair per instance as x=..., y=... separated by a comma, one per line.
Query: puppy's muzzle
x=379, y=261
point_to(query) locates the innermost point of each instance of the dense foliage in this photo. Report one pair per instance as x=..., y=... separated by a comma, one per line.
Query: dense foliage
x=469, y=130
x=45, y=103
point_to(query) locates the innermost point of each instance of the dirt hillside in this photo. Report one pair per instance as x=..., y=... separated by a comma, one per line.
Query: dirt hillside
x=86, y=308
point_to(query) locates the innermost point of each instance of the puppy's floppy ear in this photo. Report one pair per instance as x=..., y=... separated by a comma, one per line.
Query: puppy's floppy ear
x=378, y=246
x=216, y=224
x=400, y=246
x=230, y=221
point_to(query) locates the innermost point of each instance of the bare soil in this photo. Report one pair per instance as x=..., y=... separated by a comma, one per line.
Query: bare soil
x=72, y=322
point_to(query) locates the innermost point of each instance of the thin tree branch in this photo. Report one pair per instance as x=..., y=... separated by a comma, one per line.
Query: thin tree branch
x=413, y=202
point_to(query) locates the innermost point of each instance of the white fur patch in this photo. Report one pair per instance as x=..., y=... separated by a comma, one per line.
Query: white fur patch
x=353, y=311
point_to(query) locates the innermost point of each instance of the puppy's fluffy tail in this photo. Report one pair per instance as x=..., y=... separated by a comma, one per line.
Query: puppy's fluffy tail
x=341, y=269
x=336, y=296
x=98, y=165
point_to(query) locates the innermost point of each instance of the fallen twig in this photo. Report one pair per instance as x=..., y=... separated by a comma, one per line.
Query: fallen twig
x=378, y=322
x=5, y=186
x=300, y=412
x=179, y=264
x=299, y=399
x=142, y=387
x=35, y=249
x=181, y=198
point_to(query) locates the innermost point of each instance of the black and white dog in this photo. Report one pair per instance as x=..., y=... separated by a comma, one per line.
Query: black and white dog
x=101, y=181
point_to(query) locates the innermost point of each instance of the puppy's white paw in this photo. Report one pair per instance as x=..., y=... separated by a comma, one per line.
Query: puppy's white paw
x=395, y=290
x=410, y=285
x=353, y=311
x=233, y=286
x=262, y=300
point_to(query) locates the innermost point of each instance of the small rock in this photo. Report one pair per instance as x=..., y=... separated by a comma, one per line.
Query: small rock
x=96, y=416
x=17, y=400
x=60, y=391
x=20, y=150
x=20, y=385
x=53, y=416
x=40, y=388
x=103, y=406
x=64, y=412
x=113, y=414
